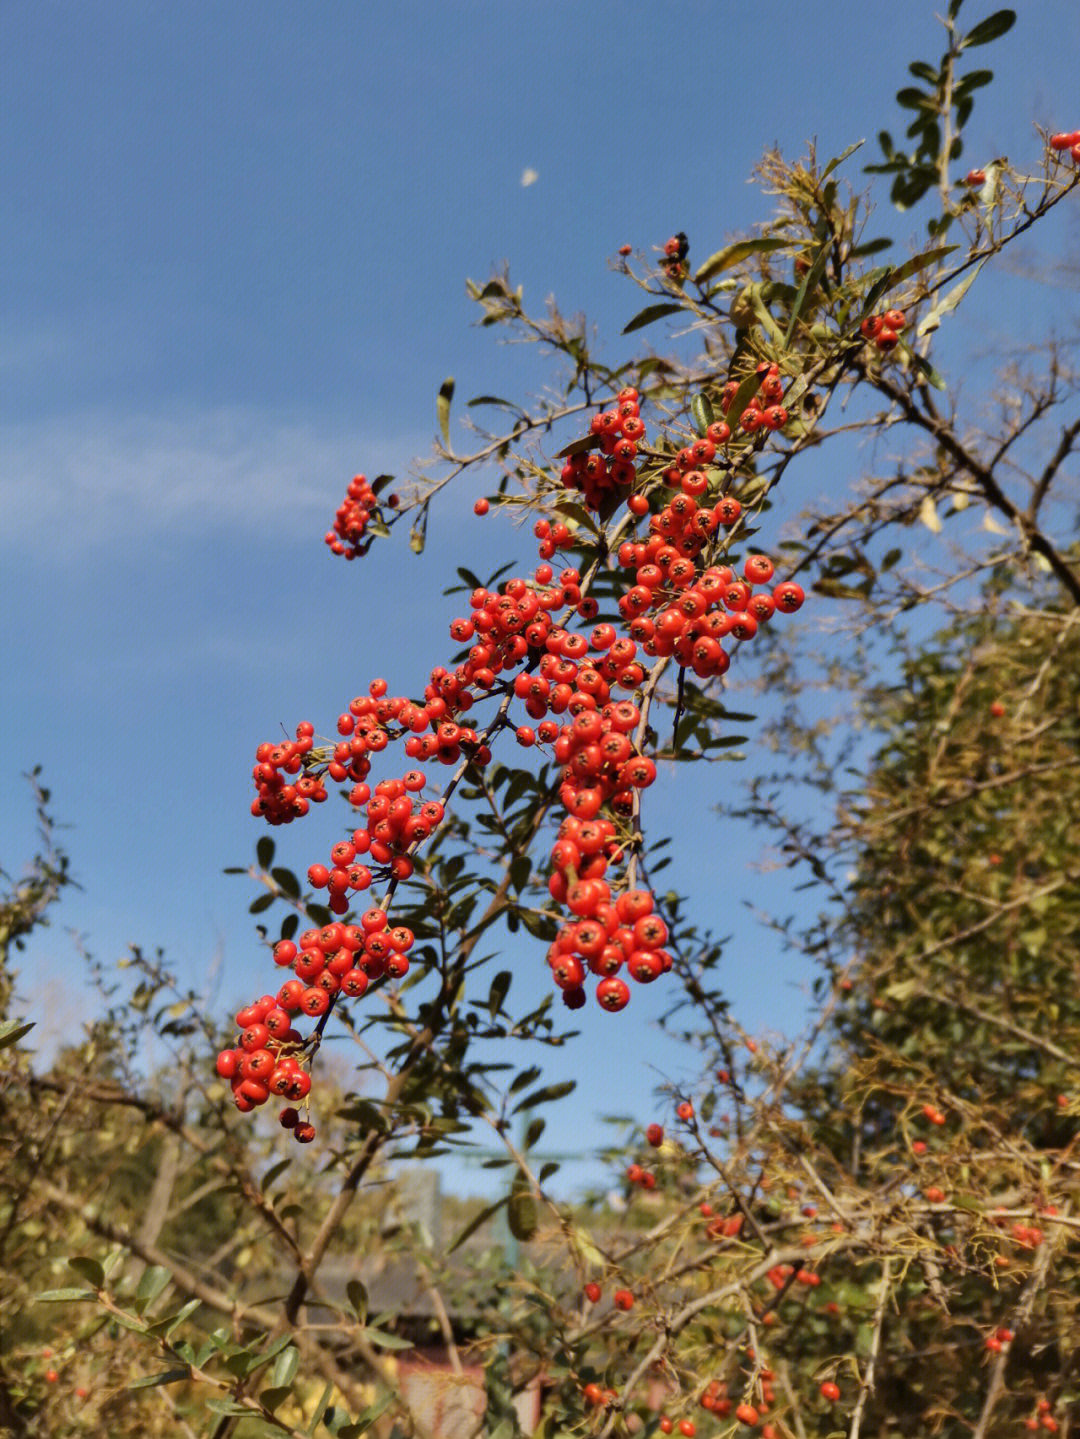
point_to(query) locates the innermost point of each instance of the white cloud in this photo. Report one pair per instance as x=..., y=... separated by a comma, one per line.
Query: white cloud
x=95, y=477
x=529, y=176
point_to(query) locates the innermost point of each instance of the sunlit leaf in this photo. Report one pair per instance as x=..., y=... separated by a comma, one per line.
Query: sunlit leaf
x=734, y=254
x=650, y=314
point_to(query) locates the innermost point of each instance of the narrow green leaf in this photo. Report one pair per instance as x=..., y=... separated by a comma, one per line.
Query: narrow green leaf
x=992, y=28
x=742, y=397
x=166, y=1376
x=88, y=1269
x=734, y=254
x=975, y=80
x=381, y=1339
x=167, y=1326
x=152, y=1285
x=949, y=300
x=273, y=1172
x=839, y=159
x=491, y=400
x=477, y=1220
x=286, y=881
x=271, y=1398
x=264, y=901
x=912, y=99
x=534, y=1131
x=649, y=314
x=363, y=1423
x=264, y=851
x=358, y=1298
x=578, y=447
x=285, y=1367
x=64, y=1296
x=12, y=1030
x=702, y=413
x=442, y=408
x=927, y=370
x=500, y=987
x=521, y=1212
x=546, y=1095
x=810, y=280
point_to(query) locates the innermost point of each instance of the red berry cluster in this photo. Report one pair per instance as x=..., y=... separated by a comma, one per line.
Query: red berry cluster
x=278, y=800
x=1067, y=140
x=673, y=603
x=266, y=1061
x=620, y=431
x=352, y=518
x=604, y=935
x=395, y=824
x=336, y=961
x=763, y=409
x=883, y=331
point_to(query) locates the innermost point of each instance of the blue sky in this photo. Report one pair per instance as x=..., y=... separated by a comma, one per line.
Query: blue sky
x=233, y=250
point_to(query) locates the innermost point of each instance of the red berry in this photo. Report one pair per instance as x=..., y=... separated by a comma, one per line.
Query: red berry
x=830, y=1391
x=612, y=993
x=623, y=1299
x=592, y=1291
x=481, y=507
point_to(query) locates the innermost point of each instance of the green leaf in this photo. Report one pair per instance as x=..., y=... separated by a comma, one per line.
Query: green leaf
x=839, y=159
x=525, y=1078
x=810, y=279
x=579, y=447
x=920, y=262
x=500, y=987
x=273, y=1172
x=361, y=1425
x=649, y=314
x=534, y=1131
x=164, y=1327
x=358, y=1298
x=381, y=1339
x=912, y=99
x=166, y=1376
x=948, y=301
x=546, y=1095
x=742, y=397
x=152, y=1285
x=491, y=400
x=264, y=901
x=975, y=80
x=734, y=254
x=286, y=881
x=12, y=1030
x=226, y=1406
x=442, y=409
x=285, y=1367
x=927, y=370
x=702, y=413
x=992, y=28
x=521, y=1213
x=264, y=851
x=88, y=1269
x=64, y=1296
x=271, y=1398
x=475, y=1223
